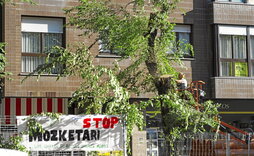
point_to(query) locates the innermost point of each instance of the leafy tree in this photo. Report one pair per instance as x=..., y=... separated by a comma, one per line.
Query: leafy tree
x=14, y=143
x=144, y=38
x=3, y=73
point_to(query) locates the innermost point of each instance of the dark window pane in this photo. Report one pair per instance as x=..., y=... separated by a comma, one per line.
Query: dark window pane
x=184, y=38
x=103, y=46
x=30, y=63
x=178, y=45
x=31, y=42
x=154, y=144
x=252, y=71
x=225, y=46
x=226, y=69
x=252, y=46
x=238, y=1
x=151, y=135
x=57, y=69
x=239, y=43
x=104, y=43
x=151, y=152
x=50, y=40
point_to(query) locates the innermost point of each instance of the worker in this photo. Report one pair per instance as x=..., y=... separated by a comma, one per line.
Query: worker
x=181, y=82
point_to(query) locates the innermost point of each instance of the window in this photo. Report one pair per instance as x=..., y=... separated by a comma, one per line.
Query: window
x=105, y=48
x=183, y=36
x=239, y=1
x=235, y=60
x=252, y=50
x=38, y=36
x=233, y=55
x=104, y=45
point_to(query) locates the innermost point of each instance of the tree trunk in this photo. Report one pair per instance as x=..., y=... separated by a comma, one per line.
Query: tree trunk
x=163, y=87
x=162, y=83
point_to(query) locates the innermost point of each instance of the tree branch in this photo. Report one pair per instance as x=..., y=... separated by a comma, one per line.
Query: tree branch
x=129, y=4
x=96, y=40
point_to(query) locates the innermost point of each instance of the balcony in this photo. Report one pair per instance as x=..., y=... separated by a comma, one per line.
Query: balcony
x=233, y=87
x=240, y=13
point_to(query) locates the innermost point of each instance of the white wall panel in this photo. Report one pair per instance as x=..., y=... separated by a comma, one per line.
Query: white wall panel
x=232, y=30
x=45, y=25
x=182, y=28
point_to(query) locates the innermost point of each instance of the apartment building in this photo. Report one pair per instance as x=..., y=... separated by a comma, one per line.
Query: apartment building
x=232, y=84
x=221, y=32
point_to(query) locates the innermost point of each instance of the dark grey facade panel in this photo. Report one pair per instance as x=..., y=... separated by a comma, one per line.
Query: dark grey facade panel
x=236, y=105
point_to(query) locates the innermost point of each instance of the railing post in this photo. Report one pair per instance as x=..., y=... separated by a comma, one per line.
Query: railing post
x=228, y=145
x=249, y=141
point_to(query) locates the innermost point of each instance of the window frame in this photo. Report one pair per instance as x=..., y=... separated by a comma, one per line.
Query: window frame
x=232, y=59
x=186, y=56
x=42, y=37
x=109, y=51
x=42, y=53
x=103, y=46
x=251, y=58
x=248, y=60
x=105, y=53
x=189, y=56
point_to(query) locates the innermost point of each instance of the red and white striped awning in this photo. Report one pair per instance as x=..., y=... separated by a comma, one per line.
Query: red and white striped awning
x=28, y=106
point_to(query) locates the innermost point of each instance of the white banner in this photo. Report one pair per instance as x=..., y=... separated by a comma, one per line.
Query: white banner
x=75, y=132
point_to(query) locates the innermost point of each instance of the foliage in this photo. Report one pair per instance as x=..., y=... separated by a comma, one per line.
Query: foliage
x=144, y=38
x=100, y=91
x=34, y=127
x=93, y=153
x=14, y=142
x=13, y=3
x=3, y=63
x=183, y=118
x=130, y=31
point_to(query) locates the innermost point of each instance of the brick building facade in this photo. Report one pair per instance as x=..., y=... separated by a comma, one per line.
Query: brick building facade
x=221, y=32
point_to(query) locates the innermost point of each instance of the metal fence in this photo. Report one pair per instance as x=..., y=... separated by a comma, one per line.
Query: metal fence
x=8, y=127
x=211, y=144
x=205, y=144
